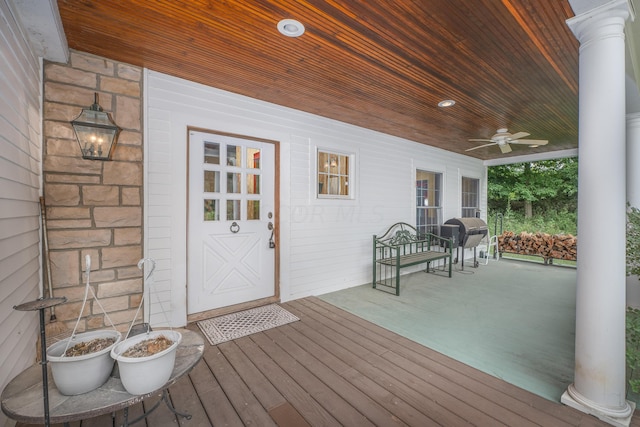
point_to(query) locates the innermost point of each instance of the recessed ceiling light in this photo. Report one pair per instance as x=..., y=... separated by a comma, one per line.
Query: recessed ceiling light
x=446, y=103
x=290, y=28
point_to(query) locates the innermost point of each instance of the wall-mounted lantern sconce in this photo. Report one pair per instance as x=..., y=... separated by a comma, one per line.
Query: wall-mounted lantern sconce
x=96, y=132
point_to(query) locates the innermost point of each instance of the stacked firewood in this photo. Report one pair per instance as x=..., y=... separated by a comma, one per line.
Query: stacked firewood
x=557, y=246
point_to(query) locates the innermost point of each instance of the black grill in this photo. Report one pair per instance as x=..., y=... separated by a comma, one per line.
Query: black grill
x=469, y=232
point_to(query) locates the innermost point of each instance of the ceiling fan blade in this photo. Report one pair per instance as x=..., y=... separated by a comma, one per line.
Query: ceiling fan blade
x=480, y=146
x=519, y=135
x=505, y=148
x=530, y=142
x=481, y=140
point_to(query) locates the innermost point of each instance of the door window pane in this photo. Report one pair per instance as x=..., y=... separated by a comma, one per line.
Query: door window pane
x=233, y=182
x=234, y=155
x=212, y=153
x=253, y=209
x=253, y=184
x=211, y=211
x=211, y=181
x=253, y=158
x=233, y=210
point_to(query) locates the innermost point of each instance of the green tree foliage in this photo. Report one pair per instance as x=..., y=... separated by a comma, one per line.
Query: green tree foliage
x=633, y=351
x=633, y=314
x=534, y=187
x=633, y=241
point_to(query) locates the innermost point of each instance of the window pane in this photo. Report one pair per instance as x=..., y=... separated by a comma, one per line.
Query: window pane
x=428, y=188
x=234, y=155
x=253, y=209
x=233, y=210
x=323, y=162
x=211, y=211
x=211, y=181
x=470, y=196
x=334, y=184
x=322, y=184
x=428, y=201
x=422, y=187
x=233, y=182
x=333, y=174
x=428, y=220
x=253, y=184
x=343, y=185
x=253, y=158
x=343, y=164
x=212, y=153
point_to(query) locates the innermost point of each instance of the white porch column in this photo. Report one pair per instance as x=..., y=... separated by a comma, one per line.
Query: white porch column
x=599, y=383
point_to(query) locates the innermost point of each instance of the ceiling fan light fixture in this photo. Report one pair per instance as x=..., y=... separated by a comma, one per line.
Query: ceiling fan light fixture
x=446, y=103
x=503, y=139
x=291, y=28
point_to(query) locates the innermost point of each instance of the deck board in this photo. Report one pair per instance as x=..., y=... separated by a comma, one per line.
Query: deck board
x=325, y=395
x=255, y=380
x=294, y=393
x=289, y=339
x=339, y=358
x=247, y=406
x=184, y=398
x=334, y=368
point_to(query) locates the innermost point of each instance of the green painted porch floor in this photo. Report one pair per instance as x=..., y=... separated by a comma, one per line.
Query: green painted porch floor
x=514, y=320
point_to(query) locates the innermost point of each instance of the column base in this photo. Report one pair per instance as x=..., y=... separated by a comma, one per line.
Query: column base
x=618, y=418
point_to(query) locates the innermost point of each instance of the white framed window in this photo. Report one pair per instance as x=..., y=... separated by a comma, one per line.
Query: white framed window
x=335, y=175
x=470, y=197
x=428, y=201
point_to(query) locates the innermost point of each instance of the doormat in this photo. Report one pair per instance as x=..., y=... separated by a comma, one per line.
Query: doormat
x=236, y=325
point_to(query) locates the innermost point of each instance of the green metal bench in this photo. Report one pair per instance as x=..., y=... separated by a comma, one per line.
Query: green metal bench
x=401, y=246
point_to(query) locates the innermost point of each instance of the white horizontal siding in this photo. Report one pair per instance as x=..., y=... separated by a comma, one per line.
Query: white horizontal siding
x=325, y=245
x=20, y=177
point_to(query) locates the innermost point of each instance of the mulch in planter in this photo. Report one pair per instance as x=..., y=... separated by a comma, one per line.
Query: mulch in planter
x=148, y=347
x=88, y=347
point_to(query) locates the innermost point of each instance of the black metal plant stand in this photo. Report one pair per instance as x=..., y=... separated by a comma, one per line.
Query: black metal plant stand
x=41, y=305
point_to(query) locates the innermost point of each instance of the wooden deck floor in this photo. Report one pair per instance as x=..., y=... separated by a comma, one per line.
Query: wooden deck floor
x=332, y=368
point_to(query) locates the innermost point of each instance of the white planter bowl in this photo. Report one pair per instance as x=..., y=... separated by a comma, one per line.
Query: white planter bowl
x=81, y=374
x=142, y=375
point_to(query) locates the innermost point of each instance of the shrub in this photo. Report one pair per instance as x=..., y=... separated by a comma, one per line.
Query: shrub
x=633, y=349
x=551, y=223
x=633, y=314
x=633, y=241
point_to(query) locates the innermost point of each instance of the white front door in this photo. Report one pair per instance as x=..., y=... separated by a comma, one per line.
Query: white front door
x=231, y=255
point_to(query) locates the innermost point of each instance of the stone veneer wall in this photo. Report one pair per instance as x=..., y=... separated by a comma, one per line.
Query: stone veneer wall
x=94, y=207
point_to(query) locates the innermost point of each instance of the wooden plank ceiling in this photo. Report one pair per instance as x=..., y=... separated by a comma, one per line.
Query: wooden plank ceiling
x=382, y=65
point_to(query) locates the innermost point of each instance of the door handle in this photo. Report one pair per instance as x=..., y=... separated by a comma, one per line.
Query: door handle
x=234, y=227
x=272, y=243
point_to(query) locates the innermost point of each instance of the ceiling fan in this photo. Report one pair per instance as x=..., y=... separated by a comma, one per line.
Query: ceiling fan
x=503, y=139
